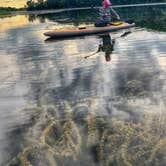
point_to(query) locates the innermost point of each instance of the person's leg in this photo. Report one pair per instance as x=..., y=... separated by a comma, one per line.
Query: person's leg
x=100, y=23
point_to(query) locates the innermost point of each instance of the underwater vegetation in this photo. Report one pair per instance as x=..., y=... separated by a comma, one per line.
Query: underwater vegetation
x=73, y=134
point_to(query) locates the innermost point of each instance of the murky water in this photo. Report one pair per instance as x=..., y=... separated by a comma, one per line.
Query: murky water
x=59, y=108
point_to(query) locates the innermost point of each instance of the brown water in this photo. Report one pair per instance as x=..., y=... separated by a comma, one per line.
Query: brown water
x=58, y=108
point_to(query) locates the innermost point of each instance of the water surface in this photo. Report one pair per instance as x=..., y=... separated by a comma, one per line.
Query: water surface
x=60, y=108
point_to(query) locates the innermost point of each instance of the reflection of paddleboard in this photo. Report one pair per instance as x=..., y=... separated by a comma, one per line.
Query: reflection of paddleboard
x=63, y=20
x=87, y=30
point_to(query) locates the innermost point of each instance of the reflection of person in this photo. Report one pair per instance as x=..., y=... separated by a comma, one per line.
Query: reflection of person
x=105, y=12
x=107, y=46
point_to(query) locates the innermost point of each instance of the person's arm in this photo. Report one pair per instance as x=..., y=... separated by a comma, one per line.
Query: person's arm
x=100, y=48
x=101, y=12
x=113, y=12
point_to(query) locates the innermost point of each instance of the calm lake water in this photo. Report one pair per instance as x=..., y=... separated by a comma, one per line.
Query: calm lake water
x=59, y=108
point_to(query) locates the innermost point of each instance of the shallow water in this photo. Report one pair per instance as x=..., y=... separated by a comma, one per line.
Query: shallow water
x=58, y=108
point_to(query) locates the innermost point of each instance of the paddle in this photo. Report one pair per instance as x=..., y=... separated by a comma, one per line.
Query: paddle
x=91, y=55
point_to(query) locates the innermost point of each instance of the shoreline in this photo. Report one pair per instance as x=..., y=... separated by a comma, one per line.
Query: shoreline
x=39, y=12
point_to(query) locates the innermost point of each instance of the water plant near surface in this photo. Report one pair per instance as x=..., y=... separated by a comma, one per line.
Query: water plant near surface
x=100, y=140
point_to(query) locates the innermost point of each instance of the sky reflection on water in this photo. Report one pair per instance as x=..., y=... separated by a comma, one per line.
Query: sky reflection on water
x=44, y=82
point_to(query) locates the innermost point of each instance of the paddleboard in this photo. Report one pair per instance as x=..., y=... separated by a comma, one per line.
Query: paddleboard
x=81, y=31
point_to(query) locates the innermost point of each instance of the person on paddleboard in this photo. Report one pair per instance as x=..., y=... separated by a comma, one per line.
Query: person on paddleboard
x=106, y=12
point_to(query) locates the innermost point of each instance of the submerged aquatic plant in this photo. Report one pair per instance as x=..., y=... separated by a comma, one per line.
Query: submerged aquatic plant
x=63, y=140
